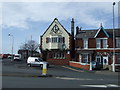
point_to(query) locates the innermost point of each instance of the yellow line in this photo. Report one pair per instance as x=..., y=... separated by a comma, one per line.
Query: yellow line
x=72, y=69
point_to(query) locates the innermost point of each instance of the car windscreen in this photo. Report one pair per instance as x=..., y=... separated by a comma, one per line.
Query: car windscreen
x=40, y=60
x=17, y=56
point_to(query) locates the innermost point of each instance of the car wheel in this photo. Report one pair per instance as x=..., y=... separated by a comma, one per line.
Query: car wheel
x=29, y=65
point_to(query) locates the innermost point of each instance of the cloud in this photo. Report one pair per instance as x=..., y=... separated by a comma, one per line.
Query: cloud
x=17, y=14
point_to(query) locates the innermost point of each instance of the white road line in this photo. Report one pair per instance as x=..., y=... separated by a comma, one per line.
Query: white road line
x=101, y=86
x=112, y=85
x=69, y=78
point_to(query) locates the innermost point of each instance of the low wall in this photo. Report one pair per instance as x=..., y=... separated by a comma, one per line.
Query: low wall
x=78, y=65
x=58, y=61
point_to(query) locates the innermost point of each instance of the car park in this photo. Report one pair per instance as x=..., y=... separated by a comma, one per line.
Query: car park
x=36, y=61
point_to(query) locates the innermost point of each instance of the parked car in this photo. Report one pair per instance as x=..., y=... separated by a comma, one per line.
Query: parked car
x=36, y=61
x=17, y=57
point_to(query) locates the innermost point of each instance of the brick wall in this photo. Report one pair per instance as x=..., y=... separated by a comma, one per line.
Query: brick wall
x=92, y=43
x=78, y=43
x=78, y=65
x=101, y=34
x=60, y=61
x=110, y=42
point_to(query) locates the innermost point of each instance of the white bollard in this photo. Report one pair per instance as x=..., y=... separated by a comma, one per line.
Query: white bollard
x=90, y=65
x=44, y=69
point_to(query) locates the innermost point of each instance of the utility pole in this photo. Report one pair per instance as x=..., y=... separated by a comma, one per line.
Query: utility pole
x=12, y=44
x=113, y=64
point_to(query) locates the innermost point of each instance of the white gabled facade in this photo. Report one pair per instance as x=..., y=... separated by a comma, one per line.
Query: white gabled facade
x=55, y=37
x=56, y=43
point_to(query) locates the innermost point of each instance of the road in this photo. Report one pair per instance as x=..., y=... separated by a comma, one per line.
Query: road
x=17, y=74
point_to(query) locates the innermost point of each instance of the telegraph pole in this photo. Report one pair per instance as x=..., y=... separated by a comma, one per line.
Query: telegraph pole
x=113, y=64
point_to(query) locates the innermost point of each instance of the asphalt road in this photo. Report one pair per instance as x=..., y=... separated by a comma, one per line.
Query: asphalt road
x=18, y=75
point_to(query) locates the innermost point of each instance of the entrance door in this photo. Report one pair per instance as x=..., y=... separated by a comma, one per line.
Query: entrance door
x=105, y=60
x=98, y=59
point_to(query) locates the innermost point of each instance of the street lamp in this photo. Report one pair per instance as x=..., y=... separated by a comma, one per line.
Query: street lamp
x=113, y=67
x=12, y=43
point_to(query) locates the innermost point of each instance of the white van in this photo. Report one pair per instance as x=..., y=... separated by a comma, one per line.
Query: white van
x=17, y=57
x=35, y=61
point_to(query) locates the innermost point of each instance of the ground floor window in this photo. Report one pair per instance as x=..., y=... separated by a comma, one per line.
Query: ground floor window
x=118, y=58
x=57, y=55
x=85, y=58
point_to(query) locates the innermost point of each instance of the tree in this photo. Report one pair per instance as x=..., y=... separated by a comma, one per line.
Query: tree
x=31, y=46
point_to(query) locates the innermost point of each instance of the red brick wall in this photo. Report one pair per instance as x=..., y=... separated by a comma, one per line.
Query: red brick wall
x=78, y=43
x=101, y=34
x=110, y=43
x=60, y=61
x=92, y=43
x=86, y=67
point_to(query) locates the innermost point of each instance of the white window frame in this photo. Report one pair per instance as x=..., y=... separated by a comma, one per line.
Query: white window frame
x=105, y=42
x=98, y=43
x=86, y=58
x=117, y=42
x=85, y=43
x=98, y=57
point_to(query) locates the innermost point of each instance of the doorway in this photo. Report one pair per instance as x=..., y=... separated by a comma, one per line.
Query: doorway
x=105, y=60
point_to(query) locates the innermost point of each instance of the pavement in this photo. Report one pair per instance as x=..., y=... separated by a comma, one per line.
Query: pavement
x=105, y=72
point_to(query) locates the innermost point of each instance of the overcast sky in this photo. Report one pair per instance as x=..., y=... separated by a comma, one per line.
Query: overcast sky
x=23, y=19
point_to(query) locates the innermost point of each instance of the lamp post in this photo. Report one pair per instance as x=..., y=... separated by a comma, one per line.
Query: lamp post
x=12, y=44
x=113, y=64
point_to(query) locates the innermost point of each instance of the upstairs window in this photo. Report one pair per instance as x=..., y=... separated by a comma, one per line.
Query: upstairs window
x=118, y=42
x=104, y=43
x=55, y=40
x=101, y=43
x=98, y=45
x=85, y=43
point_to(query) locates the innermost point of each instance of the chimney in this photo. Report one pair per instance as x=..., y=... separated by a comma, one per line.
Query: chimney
x=72, y=27
x=77, y=30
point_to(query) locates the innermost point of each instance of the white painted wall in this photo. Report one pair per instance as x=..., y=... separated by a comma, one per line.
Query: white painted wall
x=55, y=45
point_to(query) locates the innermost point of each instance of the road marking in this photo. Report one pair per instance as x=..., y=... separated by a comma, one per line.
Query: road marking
x=112, y=85
x=101, y=86
x=72, y=69
x=68, y=78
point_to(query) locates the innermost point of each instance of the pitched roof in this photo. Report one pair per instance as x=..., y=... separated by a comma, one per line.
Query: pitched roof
x=92, y=33
x=59, y=23
x=101, y=28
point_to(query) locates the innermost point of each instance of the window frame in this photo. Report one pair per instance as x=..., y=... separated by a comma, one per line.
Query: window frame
x=85, y=41
x=98, y=43
x=117, y=39
x=83, y=59
x=104, y=44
